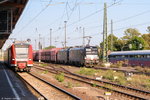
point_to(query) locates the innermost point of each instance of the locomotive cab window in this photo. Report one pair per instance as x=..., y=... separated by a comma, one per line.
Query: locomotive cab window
x=21, y=51
x=91, y=51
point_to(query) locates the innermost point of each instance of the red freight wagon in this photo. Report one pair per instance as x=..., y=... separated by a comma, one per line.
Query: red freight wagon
x=54, y=52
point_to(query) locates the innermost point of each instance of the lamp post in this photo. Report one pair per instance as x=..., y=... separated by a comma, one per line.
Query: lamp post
x=65, y=34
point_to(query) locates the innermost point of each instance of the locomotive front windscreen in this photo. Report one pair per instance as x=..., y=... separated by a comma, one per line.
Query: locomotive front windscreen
x=91, y=51
x=21, y=51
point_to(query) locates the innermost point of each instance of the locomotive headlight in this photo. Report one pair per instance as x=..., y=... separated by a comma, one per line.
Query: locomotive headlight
x=30, y=59
x=13, y=59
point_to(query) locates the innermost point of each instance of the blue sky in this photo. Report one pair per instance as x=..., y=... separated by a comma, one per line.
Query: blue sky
x=41, y=15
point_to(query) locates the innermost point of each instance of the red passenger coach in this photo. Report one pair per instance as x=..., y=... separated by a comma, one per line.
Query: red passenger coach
x=19, y=56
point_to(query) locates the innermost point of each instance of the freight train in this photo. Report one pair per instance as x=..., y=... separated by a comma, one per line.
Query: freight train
x=19, y=56
x=80, y=56
x=132, y=58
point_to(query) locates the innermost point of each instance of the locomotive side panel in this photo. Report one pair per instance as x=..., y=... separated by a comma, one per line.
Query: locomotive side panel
x=62, y=56
x=76, y=56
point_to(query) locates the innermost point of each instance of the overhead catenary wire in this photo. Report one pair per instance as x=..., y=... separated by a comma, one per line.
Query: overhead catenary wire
x=124, y=19
x=114, y=21
x=25, y=26
x=141, y=24
x=87, y=16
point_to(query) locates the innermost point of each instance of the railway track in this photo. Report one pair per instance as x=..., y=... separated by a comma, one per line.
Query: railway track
x=50, y=92
x=31, y=88
x=115, y=88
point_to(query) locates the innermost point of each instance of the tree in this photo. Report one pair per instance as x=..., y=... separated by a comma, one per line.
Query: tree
x=119, y=44
x=50, y=47
x=131, y=32
x=109, y=42
x=146, y=37
x=148, y=29
x=137, y=43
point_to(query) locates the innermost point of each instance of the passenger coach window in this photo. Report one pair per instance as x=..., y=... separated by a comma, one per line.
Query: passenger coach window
x=148, y=56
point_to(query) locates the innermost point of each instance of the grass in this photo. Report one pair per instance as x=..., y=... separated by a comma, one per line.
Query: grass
x=45, y=72
x=69, y=85
x=108, y=86
x=110, y=75
x=87, y=71
x=119, y=64
x=44, y=64
x=94, y=85
x=141, y=80
x=60, y=77
x=77, y=85
x=140, y=69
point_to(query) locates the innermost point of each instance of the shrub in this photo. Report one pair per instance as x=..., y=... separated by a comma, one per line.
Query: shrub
x=121, y=81
x=109, y=75
x=60, y=77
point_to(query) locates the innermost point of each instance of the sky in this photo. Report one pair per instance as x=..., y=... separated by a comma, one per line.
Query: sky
x=39, y=16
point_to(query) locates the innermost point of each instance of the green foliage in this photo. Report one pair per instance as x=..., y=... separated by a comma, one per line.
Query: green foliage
x=109, y=75
x=77, y=85
x=69, y=85
x=140, y=69
x=87, y=71
x=146, y=37
x=119, y=44
x=131, y=37
x=141, y=80
x=94, y=85
x=45, y=72
x=137, y=43
x=130, y=33
x=60, y=77
x=50, y=47
x=119, y=64
x=121, y=80
x=115, y=39
x=148, y=29
x=44, y=64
